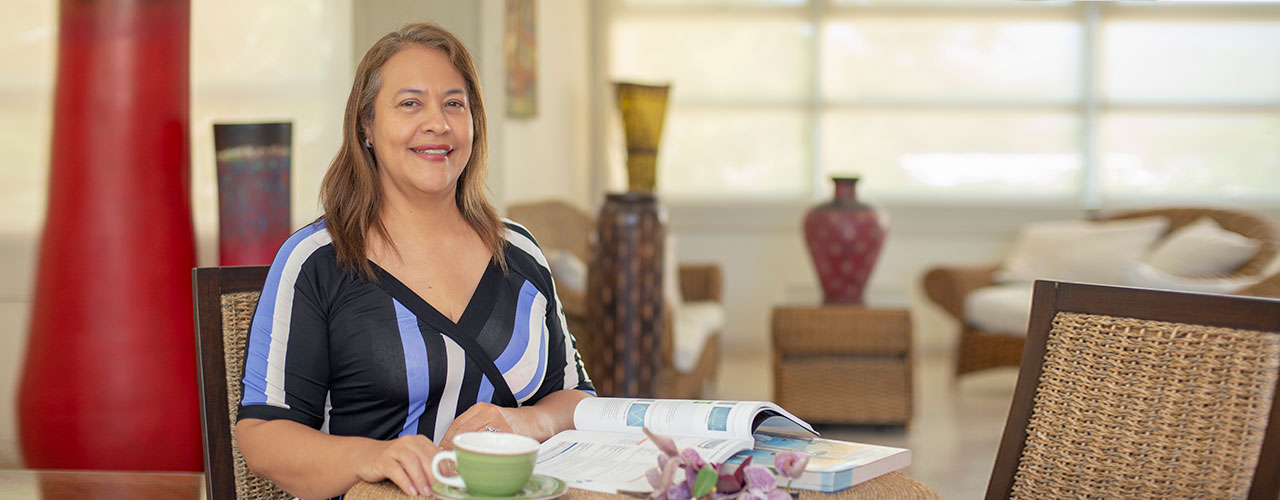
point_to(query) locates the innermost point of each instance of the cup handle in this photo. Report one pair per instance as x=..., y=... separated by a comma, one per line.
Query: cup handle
x=455, y=481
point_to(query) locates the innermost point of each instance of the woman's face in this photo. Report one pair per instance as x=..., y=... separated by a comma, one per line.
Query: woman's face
x=421, y=127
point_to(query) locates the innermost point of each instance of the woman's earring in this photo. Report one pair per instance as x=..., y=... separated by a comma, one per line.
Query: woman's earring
x=368, y=143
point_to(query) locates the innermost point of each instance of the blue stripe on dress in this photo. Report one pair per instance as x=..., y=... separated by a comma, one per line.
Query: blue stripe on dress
x=486, y=390
x=259, y=350
x=520, y=330
x=415, y=367
x=536, y=381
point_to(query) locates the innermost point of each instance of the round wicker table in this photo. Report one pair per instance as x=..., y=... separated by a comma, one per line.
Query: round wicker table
x=891, y=486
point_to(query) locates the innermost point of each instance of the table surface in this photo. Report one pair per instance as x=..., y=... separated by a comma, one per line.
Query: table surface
x=23, y=484
x=891, y=486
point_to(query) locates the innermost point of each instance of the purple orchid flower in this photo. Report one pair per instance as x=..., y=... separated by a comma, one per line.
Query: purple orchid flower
x=747, y=482
x=666, y=444
x=759, y=479
x=732, y=483
x=680, y=491
x=778, y=495
x=791, y=464
x=693, y=463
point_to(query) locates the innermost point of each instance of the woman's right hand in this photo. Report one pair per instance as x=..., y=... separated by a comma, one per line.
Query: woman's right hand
x=405, y=461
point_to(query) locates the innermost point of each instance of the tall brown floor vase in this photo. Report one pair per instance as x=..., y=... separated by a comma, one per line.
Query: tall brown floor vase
x=626, y=299
x=109, y=374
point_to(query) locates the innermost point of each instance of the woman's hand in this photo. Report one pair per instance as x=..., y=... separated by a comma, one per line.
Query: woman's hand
x=483, y=417
x=552, y=414
x=405, y=461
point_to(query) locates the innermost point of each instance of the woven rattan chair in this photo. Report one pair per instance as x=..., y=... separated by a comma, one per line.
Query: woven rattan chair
x=224, y=302
x=1133, y=393
x=947, y=286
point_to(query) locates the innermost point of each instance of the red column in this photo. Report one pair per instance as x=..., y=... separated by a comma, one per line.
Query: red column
x=109, y=380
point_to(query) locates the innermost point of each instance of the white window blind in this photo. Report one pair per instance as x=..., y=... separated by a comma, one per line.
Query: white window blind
x=1088, y=103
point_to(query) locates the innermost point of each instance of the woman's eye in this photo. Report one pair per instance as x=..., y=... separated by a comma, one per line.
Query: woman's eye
x=408, y=104
x=456, y=104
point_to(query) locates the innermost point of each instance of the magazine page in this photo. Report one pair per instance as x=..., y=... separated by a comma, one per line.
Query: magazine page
x=609, y=462
x=682, y=417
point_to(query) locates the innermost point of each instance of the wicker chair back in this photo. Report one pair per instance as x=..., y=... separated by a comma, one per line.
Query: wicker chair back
x=1131, y=393
x=224, y=302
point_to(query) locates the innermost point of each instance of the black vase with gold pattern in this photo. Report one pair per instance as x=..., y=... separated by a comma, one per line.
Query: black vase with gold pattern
x=625, y=299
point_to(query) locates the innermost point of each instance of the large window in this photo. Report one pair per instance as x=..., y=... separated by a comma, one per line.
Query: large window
x=1090, y=103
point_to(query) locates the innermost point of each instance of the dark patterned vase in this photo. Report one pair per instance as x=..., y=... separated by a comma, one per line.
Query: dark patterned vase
x=844, y=237
x=625, y=297
x=253, y=191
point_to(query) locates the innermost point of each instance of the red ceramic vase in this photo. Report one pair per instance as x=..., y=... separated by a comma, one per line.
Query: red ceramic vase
x=844, y=237
x=109, y=380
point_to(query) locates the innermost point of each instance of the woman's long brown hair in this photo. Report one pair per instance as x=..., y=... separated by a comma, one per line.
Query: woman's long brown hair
x=351, y=194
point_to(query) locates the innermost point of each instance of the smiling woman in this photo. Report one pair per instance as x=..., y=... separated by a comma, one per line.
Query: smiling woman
x=409, y=312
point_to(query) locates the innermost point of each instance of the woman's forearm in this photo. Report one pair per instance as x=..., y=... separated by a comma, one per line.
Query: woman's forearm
x=552, y=414
x=301, y=460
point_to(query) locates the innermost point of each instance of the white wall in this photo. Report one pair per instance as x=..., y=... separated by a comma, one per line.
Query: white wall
x=546, y=156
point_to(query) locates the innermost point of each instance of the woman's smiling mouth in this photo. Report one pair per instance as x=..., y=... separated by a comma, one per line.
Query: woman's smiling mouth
x=432, y=151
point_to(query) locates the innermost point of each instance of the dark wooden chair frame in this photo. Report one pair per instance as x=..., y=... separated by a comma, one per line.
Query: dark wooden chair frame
x=210, y=284
x=1050, y=297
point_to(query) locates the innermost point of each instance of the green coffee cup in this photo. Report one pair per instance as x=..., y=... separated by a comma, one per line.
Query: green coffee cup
x=491, y=464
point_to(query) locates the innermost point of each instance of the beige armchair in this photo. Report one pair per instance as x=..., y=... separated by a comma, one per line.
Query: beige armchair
x=947, y=286
x=560, y=226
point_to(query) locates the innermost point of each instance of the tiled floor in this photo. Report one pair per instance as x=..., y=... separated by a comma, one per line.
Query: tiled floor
x=955, y=432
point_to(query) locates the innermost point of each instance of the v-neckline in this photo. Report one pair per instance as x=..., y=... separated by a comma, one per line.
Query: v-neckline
x=473, y=317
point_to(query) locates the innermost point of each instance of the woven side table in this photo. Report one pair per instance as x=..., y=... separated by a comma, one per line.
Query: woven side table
x=843, y=364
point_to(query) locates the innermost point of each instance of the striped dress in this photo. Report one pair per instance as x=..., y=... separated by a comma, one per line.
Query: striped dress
x=335, y=352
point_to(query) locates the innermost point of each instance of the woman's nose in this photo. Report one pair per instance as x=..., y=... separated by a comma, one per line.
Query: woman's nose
x=436, y=123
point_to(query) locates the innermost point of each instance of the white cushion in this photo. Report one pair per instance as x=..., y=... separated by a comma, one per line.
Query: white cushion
x=693, y=323
x=1202, y=248
x=1001, y=309
x=568, y=270
x=1144, y=275
x=671, y=272
x=1273, y=267
x=1083, y=251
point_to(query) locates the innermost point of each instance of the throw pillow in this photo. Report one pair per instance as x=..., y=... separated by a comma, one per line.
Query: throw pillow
x=1202, y=248
x=1083, y=251
x=568, y=270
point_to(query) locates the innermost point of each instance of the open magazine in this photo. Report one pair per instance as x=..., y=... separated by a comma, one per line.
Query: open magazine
x=609, y=451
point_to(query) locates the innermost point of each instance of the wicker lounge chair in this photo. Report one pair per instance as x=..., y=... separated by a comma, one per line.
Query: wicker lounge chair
x=979, y=350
